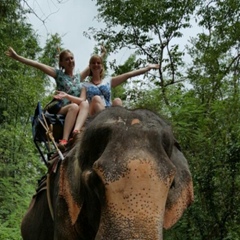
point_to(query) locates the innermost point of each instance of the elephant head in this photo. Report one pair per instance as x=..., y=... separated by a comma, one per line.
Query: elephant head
x=125, y=179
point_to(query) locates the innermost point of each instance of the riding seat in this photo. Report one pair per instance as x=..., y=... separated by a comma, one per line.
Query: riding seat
x=42, y=122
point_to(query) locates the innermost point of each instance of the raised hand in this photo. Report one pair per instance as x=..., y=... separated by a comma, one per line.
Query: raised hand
x=154, y=66
x=103, y=51
x=11, y=53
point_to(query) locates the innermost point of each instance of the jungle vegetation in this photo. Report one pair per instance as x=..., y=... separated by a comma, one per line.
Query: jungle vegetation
x=197, y=88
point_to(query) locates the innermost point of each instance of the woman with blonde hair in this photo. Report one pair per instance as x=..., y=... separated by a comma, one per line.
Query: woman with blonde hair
x=66, y=81
x=98, y=90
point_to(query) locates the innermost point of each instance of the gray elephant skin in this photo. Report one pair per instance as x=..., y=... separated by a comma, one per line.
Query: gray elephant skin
x=125, y=178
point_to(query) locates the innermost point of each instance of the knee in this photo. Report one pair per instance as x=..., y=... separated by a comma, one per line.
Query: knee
x=73, y=107
x=96, y=99
x=117, y=102
x=84, y=104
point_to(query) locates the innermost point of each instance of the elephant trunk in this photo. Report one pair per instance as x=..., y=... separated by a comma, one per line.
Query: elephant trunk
x=123, y=228
x=135, y=203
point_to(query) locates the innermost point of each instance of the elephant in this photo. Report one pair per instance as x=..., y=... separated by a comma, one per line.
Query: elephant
x=125, y=178
x=37, y=222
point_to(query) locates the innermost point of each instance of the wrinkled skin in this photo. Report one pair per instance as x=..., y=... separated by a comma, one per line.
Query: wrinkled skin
x=125, y=179
x=37, y=222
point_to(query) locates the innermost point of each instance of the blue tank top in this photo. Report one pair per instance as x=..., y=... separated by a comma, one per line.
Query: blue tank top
x=103, y=90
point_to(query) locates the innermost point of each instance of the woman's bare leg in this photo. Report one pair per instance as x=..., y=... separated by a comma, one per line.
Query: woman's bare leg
x=71, y=112
x=82, y=115
x=117, y=102
x=96, y=105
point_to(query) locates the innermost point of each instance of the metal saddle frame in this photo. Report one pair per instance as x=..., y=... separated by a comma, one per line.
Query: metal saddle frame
x=46, y=129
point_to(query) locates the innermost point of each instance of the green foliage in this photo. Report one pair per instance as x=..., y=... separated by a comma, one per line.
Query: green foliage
x=51, y=50
x=149, y=27
x=128, y=66
x=21, y=87
x=19, y=170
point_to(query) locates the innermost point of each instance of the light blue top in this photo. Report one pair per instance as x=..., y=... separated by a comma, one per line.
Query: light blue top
x=103, y=90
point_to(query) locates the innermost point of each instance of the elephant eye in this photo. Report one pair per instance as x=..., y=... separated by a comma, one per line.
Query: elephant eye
x=177, y=145
x=93, y=144
x=173, y=184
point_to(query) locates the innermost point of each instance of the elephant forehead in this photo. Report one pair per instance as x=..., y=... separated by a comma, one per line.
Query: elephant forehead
x=125, y=142
x=115, y=120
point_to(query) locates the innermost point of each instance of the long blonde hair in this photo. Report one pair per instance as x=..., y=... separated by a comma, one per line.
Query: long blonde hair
x=61, y=56
x=94, y=58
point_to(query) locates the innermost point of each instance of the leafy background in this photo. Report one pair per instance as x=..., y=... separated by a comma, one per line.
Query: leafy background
x=199, y=96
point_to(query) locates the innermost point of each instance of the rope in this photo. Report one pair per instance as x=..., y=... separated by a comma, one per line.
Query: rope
x=49, y=134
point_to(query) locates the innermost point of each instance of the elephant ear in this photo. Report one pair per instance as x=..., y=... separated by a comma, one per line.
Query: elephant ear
x=70, y=185
x=180, y=194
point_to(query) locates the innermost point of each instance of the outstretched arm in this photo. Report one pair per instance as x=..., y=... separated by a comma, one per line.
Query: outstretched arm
x=123, y=77
x=43, y=67
x=61, y=95
x=86, y=71
x=103, y=52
